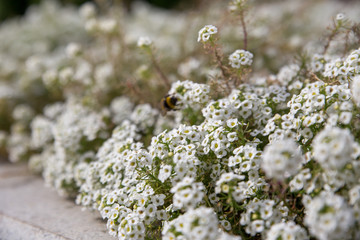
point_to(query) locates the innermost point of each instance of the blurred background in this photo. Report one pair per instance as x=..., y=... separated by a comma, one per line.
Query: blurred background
x=13, y=8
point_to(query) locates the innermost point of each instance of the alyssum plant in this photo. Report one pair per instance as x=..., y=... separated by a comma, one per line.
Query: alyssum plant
x=242, y=156
x=276, y=161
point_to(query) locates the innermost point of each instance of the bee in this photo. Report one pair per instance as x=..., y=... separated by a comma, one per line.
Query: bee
x=168, y=103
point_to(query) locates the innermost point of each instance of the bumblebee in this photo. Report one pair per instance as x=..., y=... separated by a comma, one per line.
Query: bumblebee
x=168, y=103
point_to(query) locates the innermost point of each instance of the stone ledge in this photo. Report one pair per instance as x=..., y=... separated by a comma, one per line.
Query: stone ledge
x=11, y=228
x=29, y=210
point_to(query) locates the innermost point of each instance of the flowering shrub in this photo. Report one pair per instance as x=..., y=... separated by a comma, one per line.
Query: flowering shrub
x=241, y=154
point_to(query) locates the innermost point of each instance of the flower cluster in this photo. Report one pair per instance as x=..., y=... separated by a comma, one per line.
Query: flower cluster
x=144, y=42
x=261, y=214
x=328, y=216
x=71, y=134
x=333, y=148
x=206, y=33
x=261, y=157
x=200, y=223
x=286, y=230
x=240, y=58
x=287, y=74
x=187, y=193
x=282, y=159
x=190, y=94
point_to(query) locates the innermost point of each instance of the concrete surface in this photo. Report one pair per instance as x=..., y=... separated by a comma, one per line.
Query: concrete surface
x=30, y=211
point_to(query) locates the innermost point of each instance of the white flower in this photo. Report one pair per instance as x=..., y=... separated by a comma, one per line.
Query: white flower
x=110, y=199
x=340, y=16
x=108, y=25
x=240, y=58
x=102, y=74
x=92, y=25
x=193, y=95
x=23, y=113
x=225, y=224
x=49, y=78
x=287, y=73
x=345, y=117
x=333, y=147
x=187, y=193
x=231, y=123
x=40, y=131
x=164, y=173
x=237, y=5
x=257, y=226
x=206, y=32
x=87, y=10
x=121, y=108
x=189, y=66
x=151, y=210
x=328, y=217
x=261, y=213
x=144, y=42
x=200, y=224
x=354, y=194
x=297, y=183
x=66, y=75
x=355, y=89
x=225, y=178
x=73, y=50
x=232, y=136
x=282, y=159
x=286, y=230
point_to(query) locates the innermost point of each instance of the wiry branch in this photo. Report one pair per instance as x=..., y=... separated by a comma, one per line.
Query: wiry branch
x=159, y=71
x=244, y=29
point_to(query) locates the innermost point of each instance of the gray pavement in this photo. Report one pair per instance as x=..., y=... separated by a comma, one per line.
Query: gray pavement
x=31, y=211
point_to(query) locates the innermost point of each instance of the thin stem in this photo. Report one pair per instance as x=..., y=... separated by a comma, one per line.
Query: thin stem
x=244, y=29
x=356, y=30
x=314, y=78
x=159, y=71
x=328, y=42
x=223, y=69
x=218, y=59
x=346, y=42
x=330, y=38
x=134, y=89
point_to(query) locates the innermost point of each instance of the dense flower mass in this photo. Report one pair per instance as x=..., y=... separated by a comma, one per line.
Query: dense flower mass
x=171, y=139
